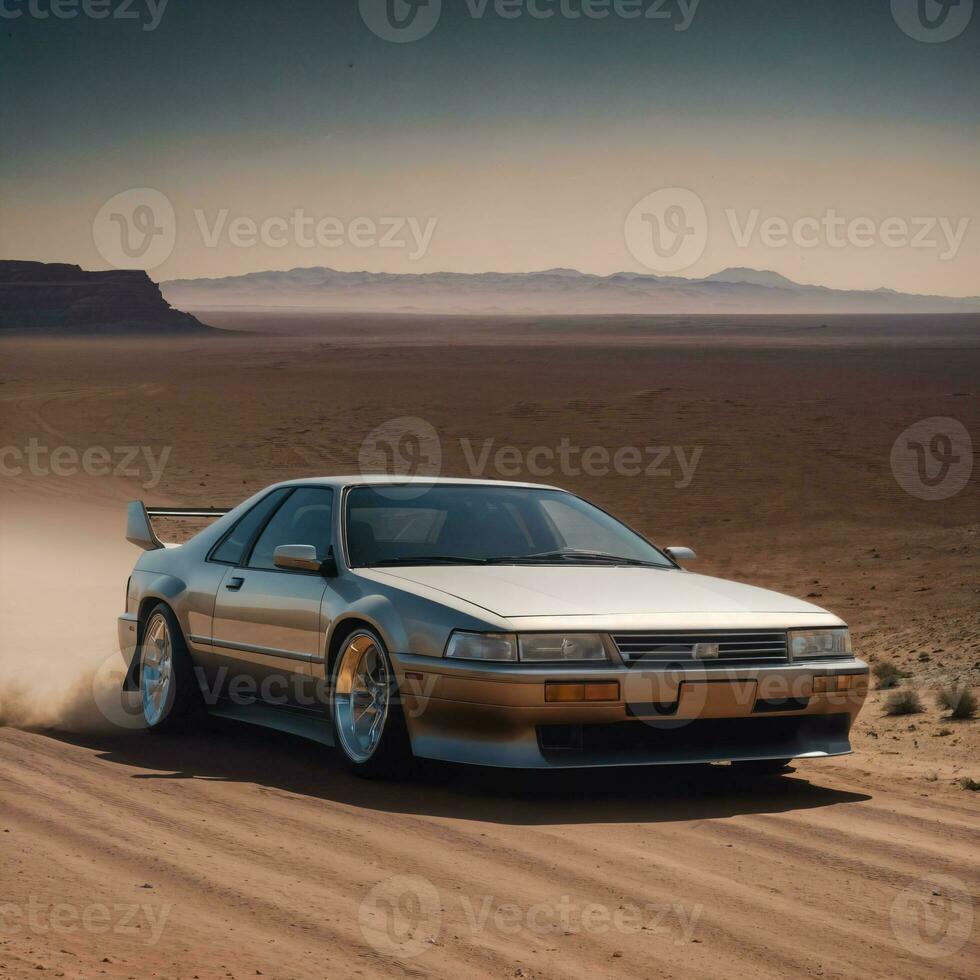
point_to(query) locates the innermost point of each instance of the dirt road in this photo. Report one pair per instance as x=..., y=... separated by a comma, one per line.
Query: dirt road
x=240, y=853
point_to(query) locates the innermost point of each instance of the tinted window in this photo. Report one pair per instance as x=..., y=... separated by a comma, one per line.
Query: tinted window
x=587, y=530
x=232, y=549
x=305, y=518
x=484, y=524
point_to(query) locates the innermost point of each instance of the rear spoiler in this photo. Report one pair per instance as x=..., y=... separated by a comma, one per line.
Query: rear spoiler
x=139, y=529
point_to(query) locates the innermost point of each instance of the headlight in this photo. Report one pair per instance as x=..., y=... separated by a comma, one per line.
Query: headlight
x=482, y=646
x=810, y=644
x=533, y=647
x=561, y=647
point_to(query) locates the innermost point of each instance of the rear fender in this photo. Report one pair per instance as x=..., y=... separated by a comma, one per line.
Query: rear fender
x=152, y=589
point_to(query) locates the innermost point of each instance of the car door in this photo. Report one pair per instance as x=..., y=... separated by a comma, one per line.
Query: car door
x=267, y=629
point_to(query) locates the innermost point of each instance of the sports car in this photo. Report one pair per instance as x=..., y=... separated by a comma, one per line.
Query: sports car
x=475, y=621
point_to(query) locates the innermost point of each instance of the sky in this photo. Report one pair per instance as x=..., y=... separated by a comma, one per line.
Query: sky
x=835, y=142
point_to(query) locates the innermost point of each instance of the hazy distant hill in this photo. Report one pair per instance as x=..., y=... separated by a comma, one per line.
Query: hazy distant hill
x=61, y=298
x=552, y=291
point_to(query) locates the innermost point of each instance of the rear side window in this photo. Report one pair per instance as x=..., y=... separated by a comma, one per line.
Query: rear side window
x=232, y=549
x=306, y=518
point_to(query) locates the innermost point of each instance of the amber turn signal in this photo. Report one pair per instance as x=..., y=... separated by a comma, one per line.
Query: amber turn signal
x=828, y=684
x=565, y=692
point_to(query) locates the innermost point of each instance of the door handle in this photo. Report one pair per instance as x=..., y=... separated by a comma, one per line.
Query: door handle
x=234, y=584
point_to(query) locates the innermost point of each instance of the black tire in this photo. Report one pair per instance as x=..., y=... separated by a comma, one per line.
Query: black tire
x=180, y=705
x=762, y=767
x=390, y=757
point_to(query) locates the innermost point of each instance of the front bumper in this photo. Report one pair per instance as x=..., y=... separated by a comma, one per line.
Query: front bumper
x=497, y=714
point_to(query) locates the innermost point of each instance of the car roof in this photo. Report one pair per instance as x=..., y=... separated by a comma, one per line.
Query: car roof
x=384, y=479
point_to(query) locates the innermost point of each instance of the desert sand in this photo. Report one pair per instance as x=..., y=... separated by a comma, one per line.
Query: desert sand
x=238, y=853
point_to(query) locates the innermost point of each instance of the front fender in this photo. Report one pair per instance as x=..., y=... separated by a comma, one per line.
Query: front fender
x=378, y=612
x=406, y=621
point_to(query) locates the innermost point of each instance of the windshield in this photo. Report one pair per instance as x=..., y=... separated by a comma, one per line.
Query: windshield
x=459, y=524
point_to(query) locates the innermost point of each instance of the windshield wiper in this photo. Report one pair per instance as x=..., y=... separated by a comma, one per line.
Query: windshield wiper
x=428, y=560
x=570, y=555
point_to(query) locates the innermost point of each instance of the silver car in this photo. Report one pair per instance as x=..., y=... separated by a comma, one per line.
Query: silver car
x=501, y=624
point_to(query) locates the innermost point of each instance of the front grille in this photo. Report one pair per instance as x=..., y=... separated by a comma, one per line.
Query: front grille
x=705, y=647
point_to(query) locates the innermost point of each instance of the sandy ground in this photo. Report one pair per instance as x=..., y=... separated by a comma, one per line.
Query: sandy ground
x=242, y=853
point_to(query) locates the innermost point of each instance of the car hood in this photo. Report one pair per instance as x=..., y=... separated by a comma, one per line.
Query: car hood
x=517, y=591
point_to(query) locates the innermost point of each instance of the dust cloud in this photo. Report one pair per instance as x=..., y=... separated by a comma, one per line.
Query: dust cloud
x=63, y=568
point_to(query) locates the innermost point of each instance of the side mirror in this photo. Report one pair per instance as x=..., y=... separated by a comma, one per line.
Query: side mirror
x=296, y=557
x=679, y=553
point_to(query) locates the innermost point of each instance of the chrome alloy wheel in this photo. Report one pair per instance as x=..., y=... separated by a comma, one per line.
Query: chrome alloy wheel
x=362, y=696
x=157, y=671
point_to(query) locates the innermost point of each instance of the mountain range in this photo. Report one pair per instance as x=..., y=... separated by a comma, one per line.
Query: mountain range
x=553, y=291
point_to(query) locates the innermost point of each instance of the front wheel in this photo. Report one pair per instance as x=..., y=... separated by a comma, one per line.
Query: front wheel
x=367, y=717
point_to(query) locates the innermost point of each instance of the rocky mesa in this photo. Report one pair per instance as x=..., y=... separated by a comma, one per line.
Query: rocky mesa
x=63, y=298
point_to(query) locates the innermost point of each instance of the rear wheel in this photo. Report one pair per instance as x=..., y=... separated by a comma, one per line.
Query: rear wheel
x=367, y=716
x=169, y=695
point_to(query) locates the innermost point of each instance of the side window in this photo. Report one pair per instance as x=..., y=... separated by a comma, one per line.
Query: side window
x=305, y=518
x=232, y=549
